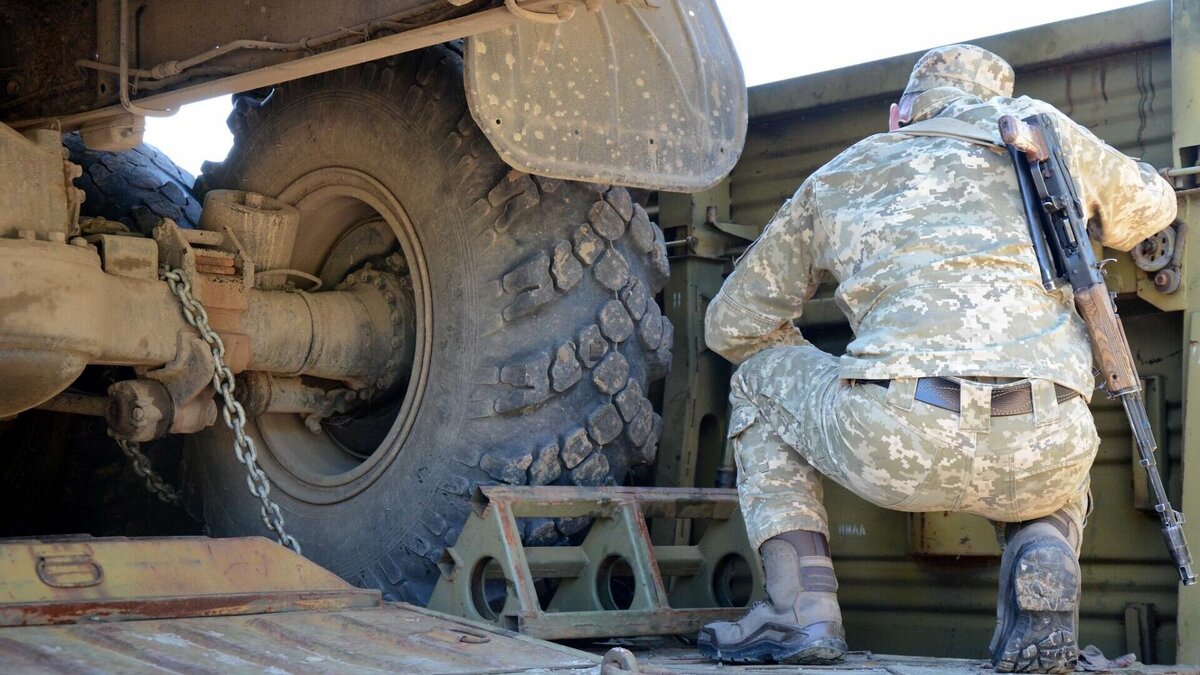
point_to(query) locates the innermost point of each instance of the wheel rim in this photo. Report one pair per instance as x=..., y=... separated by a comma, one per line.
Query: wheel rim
x=326, y=468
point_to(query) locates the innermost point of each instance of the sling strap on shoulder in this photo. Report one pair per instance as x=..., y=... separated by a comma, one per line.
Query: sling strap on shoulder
x=949, y=127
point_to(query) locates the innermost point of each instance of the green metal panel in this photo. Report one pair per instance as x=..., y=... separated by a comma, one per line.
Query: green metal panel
x=1109, y=72
x=1185, y=64
x=914, y=585
x=1189, y=483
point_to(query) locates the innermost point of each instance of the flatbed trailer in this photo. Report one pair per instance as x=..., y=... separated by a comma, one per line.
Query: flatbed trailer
x=247, y=605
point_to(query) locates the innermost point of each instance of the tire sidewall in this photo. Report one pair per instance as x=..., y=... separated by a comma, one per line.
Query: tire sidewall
x=352, y=127
x=408, y=128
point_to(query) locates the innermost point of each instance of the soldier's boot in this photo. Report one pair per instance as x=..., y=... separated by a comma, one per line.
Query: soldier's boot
x=799, y=622
x=1037, y=611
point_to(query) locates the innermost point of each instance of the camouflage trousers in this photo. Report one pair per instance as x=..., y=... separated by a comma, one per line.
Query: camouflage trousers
x=793, y=417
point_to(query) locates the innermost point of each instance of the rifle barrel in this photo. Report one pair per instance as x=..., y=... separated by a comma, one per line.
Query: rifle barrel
x=1172, y=520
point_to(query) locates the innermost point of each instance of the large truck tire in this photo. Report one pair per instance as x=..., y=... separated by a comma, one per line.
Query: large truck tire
x=135, y=187
x=536, y=324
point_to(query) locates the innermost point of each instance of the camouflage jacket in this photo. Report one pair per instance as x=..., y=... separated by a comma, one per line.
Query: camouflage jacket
x=927, y=241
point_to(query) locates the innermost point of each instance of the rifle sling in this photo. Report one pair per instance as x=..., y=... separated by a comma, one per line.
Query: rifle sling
x=949, y=127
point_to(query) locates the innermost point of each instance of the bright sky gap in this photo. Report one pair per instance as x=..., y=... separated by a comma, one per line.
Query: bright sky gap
x=775, y=39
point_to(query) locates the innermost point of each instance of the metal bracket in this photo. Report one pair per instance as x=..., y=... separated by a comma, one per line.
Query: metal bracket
x=127, y=256
x=614, y=582
x=188, y=380
x=117, y=133
x=1141, y=631
x=221, y=274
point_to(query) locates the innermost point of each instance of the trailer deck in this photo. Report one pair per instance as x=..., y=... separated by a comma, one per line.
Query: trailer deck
x=200, y=605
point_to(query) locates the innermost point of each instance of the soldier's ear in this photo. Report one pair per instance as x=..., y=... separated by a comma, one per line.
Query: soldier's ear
x=901, y=111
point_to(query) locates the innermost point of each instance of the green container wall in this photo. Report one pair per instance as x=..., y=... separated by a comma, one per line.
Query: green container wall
x=1111, y=73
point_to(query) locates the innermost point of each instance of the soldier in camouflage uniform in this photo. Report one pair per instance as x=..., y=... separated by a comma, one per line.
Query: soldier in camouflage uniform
x=966, y=386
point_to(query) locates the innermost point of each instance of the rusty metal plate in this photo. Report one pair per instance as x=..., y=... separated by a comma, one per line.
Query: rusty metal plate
x=942, y=533
x=644, y=94
x=394, y=638
x=69, y=580
x=236, y=605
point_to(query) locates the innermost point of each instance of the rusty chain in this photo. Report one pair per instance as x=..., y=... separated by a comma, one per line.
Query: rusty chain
x=154, y=482
x=235, y=417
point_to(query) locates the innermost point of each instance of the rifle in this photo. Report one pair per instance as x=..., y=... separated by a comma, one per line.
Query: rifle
x=1064, y=253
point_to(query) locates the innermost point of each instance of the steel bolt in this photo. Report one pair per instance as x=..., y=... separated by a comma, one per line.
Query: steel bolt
x=1168, y=280
x=397, y=263
x=79, y=241
x=57, y=237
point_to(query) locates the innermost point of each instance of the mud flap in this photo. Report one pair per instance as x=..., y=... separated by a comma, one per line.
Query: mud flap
x=643, y=94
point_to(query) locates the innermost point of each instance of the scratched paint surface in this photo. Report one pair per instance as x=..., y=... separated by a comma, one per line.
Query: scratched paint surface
x=395, y=638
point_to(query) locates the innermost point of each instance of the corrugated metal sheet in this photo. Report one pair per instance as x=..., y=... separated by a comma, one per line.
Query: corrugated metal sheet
x=1112, y=73
x=200, y=605
x=395, y=638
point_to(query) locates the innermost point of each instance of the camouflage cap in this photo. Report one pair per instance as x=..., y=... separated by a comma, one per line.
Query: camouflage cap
x=967, y=67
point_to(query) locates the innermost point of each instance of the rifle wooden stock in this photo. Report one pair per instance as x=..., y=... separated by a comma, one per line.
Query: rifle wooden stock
x=1109, y=346
x=1024, y=137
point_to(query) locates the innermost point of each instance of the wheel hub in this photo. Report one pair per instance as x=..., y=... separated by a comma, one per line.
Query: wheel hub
x=355, y=235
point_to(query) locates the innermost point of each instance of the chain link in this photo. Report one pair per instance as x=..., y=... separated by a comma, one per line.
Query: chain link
x=154, y=482
x=235, y=417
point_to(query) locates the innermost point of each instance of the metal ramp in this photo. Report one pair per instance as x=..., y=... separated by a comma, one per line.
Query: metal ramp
x=199, y=605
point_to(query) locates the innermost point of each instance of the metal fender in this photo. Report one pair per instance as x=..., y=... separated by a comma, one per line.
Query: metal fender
x=644, y=94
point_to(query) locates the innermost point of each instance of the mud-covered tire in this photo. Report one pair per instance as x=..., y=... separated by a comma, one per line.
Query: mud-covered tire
x=543, y=327
x=135, y=187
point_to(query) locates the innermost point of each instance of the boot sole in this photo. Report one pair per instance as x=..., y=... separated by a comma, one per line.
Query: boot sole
x=1040, y=633
x=821, y=652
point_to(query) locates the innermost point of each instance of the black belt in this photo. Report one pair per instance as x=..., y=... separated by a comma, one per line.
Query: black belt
x=1014, y=399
